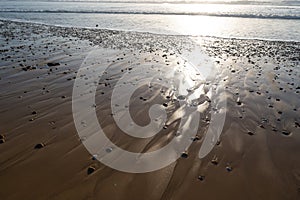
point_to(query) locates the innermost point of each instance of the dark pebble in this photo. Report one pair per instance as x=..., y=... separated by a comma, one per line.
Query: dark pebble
x=184, y=155
x=201, y=178
x=285, y=132
x=39, y=146
x=52, y=64
x=229, y=169
x=214, y=161
x=261, y=126
x=250, y=133
x=2, y=141
x=34, y=112
x=196, y=138
x=90, y=170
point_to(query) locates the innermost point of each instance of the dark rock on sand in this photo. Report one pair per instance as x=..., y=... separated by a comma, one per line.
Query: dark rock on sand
x=250, y=133
x=229, y=169
x=184, y=155
x=284, y=132
x=39, y=146
x=90, y=170
x=201, y=178
x=196, y=138
x=2, y=141
x=52, y=64
x=214, y=161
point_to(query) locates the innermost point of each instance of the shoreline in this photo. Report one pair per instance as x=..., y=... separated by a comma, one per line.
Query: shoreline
x=149, y=33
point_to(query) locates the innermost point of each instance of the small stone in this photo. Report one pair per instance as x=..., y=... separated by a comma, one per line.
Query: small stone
x=214, y=161
x=63, y=97
x=181, y=97
x=2, y=136
x=229, y=169
x=34, y=113
x=39, y=146
x=2, y=141
x=284, y=132
x=94, y=157
x=90, y=170
x=261, y=126
x=250, y=133
x=201, y=178
x=52, y=64
x=195, y=138
x=108, y=150
x=165, y=104
x=184, y=155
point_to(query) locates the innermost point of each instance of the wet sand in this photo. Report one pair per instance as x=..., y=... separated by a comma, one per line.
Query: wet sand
x=42, y=156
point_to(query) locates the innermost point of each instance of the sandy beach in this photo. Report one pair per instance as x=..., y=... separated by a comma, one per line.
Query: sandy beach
x=42, y=156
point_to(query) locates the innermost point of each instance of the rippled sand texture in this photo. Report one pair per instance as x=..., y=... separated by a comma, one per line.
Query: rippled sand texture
x=42, y=157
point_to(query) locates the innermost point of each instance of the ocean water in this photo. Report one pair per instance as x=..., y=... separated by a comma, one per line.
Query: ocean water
x=270, y=20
